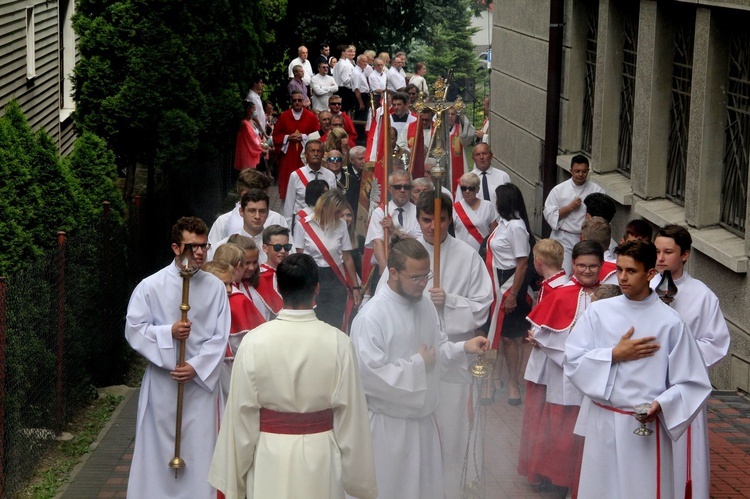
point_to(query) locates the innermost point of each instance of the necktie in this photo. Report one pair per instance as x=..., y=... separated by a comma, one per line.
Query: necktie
x=485, y=187
x=400, y=216
x=316, y=173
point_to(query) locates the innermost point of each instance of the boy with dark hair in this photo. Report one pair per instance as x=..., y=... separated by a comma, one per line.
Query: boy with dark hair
x=637, y=229
x=656, y=362
x=699, y=307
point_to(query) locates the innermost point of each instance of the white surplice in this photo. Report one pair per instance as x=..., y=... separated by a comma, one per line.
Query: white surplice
x=699, y=308
x=402, y=395
x=231, y=223
x=153, y=308
x=567, y=230
x=468, y=290
x=318, y=371
x=617, y=463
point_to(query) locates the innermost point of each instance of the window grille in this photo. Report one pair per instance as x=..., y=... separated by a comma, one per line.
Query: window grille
x=737, y=135
x=627, y=93
x=679, y=115
x=590, y=78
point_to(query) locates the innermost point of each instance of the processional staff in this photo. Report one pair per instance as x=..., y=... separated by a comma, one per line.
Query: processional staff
x=177, y=463
x=437, y=149
x=386, y=134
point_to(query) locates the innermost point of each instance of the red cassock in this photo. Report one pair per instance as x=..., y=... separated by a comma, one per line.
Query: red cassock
x=245, y=317
x=291, y=159
x=248, y=149
x=268, y=290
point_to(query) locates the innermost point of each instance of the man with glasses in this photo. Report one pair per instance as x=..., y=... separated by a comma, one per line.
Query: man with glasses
x=290, y=135
x=564, y=209
x=403, y=354
x=401, y=219
x=334, y=106
x=463, y=302
x=323, y=87
x=154, y=329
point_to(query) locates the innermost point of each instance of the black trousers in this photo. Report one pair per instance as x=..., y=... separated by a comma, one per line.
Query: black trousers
x=331, y=301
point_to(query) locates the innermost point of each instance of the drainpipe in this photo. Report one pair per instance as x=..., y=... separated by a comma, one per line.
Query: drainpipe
x=548, y=172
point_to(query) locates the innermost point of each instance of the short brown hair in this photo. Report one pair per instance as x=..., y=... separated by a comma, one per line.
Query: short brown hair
x=598, y=230
x=403, y=248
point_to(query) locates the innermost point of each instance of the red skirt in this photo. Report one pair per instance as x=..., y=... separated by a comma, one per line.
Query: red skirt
x=557, y=451
x=536, y=395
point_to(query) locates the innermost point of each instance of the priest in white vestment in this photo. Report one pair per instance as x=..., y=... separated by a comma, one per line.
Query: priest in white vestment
x=564, y=209
x=699, y=307
x=403, y=355
x=153, y=328
x=295, y=423
x=625, y=351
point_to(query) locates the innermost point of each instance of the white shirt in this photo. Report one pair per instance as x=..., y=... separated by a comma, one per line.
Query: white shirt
x=359, y=81
x=510, y=241
x=396, y=81
x=295, y=191
x=377, y=80
x=420, y=83
x=410, y=226
x=323, y=87
x=495, y=177
x=335, y=239
x=305, y=66
x=342, y=73
x=482, y=218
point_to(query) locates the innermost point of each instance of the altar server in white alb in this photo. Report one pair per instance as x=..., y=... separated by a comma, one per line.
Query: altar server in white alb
x=153, y=327
x=403, y=355
x=462, y=300
x=564, y=209
x=295, y=423
x=699, y=308
x=625, y=351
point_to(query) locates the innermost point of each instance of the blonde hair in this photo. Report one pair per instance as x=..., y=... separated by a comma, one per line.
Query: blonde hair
x=469, y=179
x=229, y=253
x=217, y=268
x=336, y=138
x=327, y=206
x=549, y=251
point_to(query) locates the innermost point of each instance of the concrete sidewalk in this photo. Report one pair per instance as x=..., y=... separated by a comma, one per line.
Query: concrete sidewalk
x=104, y=473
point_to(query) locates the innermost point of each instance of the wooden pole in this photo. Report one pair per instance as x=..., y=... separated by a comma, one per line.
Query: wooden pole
x=436, y=241
x=386, y=131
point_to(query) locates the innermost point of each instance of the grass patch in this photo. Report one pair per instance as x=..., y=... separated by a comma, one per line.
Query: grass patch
x=57, y=464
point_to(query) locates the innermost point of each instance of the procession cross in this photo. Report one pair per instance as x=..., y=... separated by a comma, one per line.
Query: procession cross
x=438, y=172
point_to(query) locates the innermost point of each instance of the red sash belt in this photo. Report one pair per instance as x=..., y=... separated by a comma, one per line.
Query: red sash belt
x=658, y=443
x=295, y=423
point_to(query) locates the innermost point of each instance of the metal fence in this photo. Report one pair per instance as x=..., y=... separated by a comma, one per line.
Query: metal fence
x=61, y=322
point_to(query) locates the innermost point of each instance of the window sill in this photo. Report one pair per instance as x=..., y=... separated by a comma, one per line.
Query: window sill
x=716, y=243
x=65, y=113
x=615, y=185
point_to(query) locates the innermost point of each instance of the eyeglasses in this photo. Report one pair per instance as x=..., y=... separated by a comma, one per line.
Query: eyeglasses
x=418, y=278
x=279, y=247
x=583, y=268
x=413, y=93
x=401, y=187
x=335, y=160
x=470, y=188
x=334, y=103
x=194, y=246
x=297, y=100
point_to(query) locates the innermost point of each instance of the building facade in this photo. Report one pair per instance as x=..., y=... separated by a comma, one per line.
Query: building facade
x=37, y=55
x=657, y=94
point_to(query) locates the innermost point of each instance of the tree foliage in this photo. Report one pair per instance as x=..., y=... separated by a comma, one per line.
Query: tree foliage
x=161, y=81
